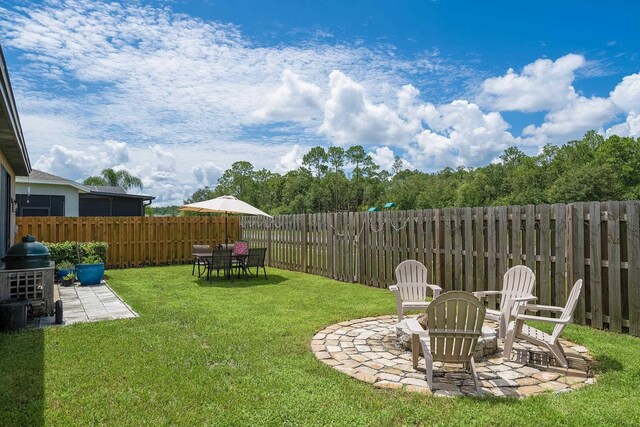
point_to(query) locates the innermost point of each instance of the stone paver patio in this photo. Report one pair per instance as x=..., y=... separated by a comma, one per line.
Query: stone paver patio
x=89, y=304
x=366, y=349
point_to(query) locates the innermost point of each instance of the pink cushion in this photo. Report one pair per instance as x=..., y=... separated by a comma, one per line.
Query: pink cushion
x=241, y=248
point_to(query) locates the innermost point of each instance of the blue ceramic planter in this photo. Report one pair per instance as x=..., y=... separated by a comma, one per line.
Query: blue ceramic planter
x=90, y=274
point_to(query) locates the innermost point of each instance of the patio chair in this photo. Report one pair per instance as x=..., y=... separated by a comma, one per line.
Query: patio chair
x=220, y=260
x=454, y=322
x=411, y=287
x=200, y=253
x=255, y=258
x=518, y=329
x=240, y=253
x=517, y=285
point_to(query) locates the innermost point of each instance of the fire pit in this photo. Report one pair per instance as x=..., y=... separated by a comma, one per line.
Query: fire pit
x=486, y=347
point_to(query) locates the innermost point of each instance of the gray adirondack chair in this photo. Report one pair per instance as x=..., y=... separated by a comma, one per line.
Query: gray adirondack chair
x=454, y=321
x=412, y=286
x=518, y=329
x=517, y=288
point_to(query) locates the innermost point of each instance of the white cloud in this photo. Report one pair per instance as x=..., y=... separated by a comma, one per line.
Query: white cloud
x=75, y=164
x=147, y=76
x=546, y=85
x=458, y=133
x=630, y=127
x=158, y=168
x=176, y=99
x=207, y=173
x=185, y=76
x=575, y=119
x=626, y=94
x=383, y=157
x=290, y=160
x=542, y=85
x=349, y=117
x=118, y=151
x=461, y=134
x=294, y=100
x=163, y=159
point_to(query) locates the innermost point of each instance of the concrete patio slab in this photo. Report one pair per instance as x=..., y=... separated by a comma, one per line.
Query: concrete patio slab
x=88, y=304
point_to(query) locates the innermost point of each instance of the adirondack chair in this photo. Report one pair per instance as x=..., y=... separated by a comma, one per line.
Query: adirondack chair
x=517, y=286
x=518, y=329
x=454, y=322
x=411, y=288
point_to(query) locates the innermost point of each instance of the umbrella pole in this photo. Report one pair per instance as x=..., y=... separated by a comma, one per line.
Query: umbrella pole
x=226, y=234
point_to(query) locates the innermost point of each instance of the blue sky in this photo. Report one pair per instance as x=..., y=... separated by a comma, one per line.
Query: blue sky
x=176, y=91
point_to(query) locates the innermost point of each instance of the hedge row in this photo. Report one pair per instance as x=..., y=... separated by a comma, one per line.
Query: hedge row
x=74, y=252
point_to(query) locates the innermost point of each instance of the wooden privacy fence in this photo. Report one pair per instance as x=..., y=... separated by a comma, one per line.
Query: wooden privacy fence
x=135, y=241
x=471, y=248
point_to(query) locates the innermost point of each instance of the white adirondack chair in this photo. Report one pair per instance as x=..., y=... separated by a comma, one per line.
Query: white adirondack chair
x=455, y=323
x=411, y=287
x=517, y=287
x=518, y=329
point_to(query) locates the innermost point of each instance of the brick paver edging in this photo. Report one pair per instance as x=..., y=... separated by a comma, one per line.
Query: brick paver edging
x=366, y=350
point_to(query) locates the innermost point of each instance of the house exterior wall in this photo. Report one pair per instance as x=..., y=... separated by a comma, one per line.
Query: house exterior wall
x=71, y=203
x=7, y=214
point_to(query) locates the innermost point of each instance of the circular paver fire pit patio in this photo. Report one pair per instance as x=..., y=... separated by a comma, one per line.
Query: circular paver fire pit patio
x=487, y=343
x=368, y=350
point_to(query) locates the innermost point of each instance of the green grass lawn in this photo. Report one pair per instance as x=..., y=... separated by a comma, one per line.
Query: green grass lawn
x=237, y=353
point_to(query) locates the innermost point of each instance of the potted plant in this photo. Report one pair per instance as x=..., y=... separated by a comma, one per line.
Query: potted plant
x=64, y=268
x=90, y=270
x=68, y=279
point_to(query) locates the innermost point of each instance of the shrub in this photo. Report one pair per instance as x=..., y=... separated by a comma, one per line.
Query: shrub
x=92, y=259
x=62, y=252
x=74, y=252
x=65, y=265
x=97, y=248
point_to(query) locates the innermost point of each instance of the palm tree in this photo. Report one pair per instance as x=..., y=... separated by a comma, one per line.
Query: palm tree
x=113, y=178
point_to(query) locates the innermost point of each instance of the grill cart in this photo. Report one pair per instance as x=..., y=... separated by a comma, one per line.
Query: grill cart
x=26, y=285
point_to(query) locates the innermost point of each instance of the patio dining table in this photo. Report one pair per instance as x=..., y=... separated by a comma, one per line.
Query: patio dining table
x=238, y=261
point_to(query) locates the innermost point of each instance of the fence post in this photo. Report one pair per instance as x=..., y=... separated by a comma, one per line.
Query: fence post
x=633, y=278
x=270, y=226
x=613, y=256
x=595, y=270
x=468, y=250
x=333, y=245
x=559, y=280
x=575, y=255
x=304, y=243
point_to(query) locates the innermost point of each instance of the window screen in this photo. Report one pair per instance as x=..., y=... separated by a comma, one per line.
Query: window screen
x=40, y=205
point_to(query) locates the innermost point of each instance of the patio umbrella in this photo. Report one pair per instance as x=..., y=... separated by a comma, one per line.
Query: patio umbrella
x=226, y=205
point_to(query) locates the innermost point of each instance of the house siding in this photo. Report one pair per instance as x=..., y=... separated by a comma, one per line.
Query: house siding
x=71, y=203
x=6, y=212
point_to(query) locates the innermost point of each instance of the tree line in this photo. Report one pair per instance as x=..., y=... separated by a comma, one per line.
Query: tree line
x=336, y=179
